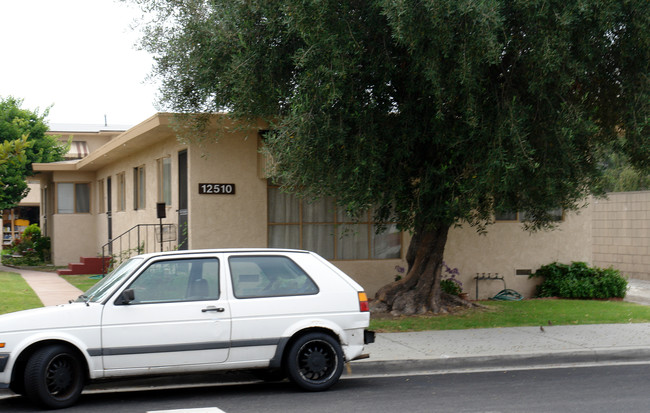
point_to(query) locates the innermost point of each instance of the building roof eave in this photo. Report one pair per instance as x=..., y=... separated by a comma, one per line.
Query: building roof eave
x=140, y=136
x=56, y=166
x=143, y=135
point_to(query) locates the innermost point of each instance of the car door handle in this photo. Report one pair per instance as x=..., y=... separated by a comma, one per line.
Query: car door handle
x=212, y=308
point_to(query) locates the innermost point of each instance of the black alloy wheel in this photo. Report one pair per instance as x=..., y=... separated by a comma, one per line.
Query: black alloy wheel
x=315, y=361
x=53, y=377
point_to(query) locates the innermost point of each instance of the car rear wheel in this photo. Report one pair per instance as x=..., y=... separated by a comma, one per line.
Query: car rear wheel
x=54, y=377
x=315, y=361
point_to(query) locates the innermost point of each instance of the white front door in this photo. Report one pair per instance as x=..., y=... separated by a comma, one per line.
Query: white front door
x=177, y=318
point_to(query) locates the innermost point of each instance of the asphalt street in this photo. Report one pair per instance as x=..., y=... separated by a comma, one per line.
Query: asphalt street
x=585, y=389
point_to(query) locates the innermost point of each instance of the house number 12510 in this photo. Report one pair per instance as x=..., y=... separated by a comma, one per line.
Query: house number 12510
x=217, y=189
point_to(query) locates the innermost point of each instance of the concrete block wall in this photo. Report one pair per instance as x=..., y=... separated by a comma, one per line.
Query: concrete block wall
x=621, y=233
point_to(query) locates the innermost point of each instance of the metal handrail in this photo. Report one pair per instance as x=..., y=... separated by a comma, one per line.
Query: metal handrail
x=140, y=239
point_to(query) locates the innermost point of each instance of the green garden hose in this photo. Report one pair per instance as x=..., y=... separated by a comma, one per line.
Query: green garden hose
x=508, y=295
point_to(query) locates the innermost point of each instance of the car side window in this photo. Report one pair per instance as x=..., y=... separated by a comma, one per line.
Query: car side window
x=193, y=279
x=269, y=276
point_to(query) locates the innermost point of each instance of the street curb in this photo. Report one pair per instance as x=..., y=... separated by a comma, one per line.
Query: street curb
x=501, y=362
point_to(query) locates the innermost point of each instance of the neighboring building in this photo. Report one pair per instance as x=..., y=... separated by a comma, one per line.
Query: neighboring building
x=15, y=220
x=214, y=193
x=83, y=139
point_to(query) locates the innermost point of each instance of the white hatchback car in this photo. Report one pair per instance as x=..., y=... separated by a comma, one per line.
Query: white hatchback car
x=291, y=312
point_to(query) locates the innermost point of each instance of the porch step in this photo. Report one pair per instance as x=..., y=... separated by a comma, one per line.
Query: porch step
x=88, y=265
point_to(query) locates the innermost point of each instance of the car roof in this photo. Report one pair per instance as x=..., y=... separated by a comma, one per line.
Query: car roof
x=220, y=250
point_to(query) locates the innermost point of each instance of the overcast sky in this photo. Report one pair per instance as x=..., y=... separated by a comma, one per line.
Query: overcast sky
x=77, y=55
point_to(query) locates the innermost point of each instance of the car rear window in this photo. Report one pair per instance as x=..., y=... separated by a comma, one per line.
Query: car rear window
x=269, y=276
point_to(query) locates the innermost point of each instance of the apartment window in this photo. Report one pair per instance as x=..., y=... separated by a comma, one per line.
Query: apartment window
x=165, y=180
x=101, y=199
x=139, y=188
x=121, y=192
x=72, y=198
x=322, y=227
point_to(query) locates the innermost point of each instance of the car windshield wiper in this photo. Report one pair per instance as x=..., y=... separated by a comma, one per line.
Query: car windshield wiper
x=82, y=297
x=88, y=299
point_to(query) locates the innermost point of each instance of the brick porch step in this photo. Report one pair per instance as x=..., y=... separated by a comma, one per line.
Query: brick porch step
x=88, y=265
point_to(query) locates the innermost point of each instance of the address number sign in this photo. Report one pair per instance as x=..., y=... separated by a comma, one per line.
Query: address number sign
x=217, y=189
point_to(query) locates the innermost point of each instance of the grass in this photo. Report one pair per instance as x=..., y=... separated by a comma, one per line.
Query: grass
x=520, y=314
x=82, y=282
x=16, y=294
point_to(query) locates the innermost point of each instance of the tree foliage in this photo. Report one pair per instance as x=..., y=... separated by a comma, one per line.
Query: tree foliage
x=620, y=176
x=23, y=135
x=436, y=111
x=13, y=152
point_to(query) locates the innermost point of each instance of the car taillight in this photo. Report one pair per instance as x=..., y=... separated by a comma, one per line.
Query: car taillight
x=363, y=302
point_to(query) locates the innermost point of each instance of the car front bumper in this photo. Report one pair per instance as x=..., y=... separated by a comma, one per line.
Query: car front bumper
x=4, y=359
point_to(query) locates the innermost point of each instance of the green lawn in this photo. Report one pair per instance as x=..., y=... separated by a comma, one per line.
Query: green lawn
x=16, y=294
x=82, y=282
x=521, y=313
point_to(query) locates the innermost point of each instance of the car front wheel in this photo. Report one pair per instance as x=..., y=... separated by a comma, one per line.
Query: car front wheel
x=54, y=377
x=315, y=361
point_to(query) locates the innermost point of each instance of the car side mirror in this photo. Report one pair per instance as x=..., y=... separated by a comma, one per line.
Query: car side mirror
x=126, y=297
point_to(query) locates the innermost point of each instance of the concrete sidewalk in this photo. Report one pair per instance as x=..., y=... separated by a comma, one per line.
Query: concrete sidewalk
x=429, y=351
x=506, y=348
x=48, y=286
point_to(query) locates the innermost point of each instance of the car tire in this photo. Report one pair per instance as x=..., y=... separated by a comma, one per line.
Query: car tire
x=315, y=361
x=54, y=377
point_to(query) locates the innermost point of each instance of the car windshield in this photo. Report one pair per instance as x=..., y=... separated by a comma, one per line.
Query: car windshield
x=99, y=291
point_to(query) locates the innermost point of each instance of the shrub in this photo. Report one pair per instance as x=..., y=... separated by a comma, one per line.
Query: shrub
x=32, y=232
x=580, y=281
x=449, y=283
x=21, y=261
x=30, y=249
x=450, y=287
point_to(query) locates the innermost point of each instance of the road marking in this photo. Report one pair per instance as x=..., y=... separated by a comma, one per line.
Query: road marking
x=199, y=410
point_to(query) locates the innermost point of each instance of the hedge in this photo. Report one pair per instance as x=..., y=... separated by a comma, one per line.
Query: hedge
x=578, y=280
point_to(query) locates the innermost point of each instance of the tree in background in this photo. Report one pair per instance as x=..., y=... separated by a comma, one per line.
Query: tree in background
x=28, y=127
x=12, y=154
x=620, y=176
x=436, y=112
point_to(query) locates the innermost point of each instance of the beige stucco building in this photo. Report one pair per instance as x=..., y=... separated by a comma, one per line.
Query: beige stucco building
x=216, y=194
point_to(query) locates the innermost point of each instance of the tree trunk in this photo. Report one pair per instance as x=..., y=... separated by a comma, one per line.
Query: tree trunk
x=419, y=291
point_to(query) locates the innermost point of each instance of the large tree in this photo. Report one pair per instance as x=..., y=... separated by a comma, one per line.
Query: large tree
x=438, y=112
x=29, y=127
